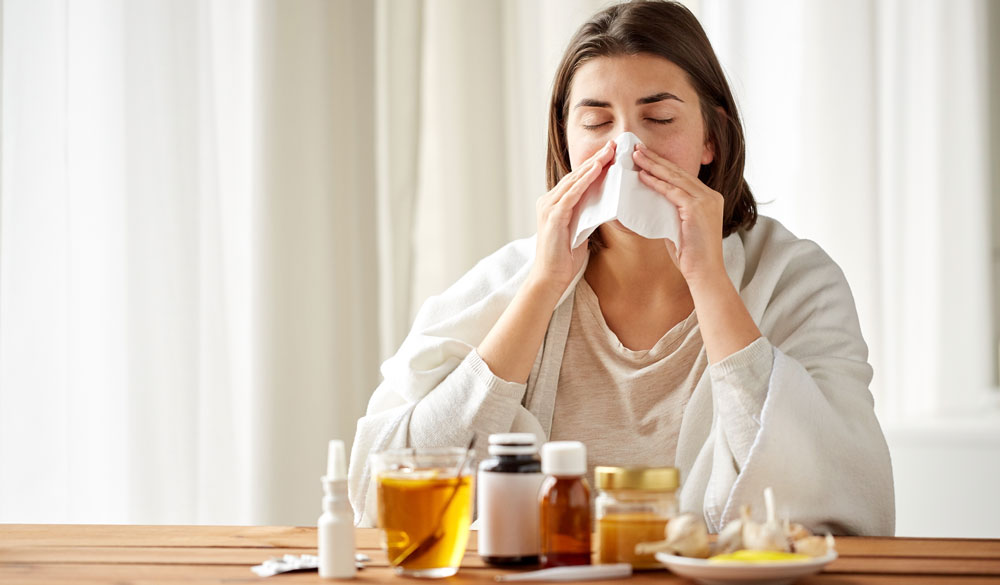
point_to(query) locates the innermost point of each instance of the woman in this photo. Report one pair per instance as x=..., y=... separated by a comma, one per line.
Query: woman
x=734, y=354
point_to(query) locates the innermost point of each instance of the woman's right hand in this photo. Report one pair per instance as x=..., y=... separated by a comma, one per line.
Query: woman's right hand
x=555, y=263
x=510, y=348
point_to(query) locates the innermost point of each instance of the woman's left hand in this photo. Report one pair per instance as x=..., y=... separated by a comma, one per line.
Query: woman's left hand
x=698, y=253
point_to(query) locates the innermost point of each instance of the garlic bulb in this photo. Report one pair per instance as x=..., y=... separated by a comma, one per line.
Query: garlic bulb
x=814, y=546
x=766, y=536
x=731, y=537
x=686, y=535
x=796, y=531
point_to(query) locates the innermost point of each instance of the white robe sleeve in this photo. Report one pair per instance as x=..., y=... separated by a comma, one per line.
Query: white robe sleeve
x=436, y=390
x=793, y=410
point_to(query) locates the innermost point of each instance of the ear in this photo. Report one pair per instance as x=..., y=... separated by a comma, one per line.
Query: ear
x=708, y=151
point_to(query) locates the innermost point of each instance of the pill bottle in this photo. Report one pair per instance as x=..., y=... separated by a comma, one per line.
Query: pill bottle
x=633, y=505
x=507, y=500
x=564, y=505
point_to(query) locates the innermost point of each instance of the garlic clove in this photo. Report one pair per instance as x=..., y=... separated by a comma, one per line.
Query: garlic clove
x=814, y=546
x=764, y=537
x=769, y=535
x=795, y=531
x=687, y=536
x=731, y=537
x=645, y=548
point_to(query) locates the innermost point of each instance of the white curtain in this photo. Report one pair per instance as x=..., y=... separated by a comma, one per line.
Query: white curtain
x=866, y=131
x=188, y=304
x=316, y=345
x=464, y=91
x=867, y=126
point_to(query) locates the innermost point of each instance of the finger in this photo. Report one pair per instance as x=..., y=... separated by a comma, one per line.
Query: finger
x=600, y=158
x=601, y=153
x=584, y=173
x=577, y=189
x=580, y=187
x=666, y=170
x=603, y=156
x=588, y=174
x=673, y=193
x=606, y=152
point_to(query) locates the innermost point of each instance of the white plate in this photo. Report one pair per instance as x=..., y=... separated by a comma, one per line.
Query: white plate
x=776, y=573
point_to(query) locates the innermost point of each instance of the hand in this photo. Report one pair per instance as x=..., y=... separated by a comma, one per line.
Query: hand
x=555, y=263
x=726, y=325
x=698, y=252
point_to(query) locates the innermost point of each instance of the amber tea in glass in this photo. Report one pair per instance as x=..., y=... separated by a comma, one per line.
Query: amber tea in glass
x=424, y=509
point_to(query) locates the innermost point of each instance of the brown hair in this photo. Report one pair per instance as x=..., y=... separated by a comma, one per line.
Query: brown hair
x=669, y=30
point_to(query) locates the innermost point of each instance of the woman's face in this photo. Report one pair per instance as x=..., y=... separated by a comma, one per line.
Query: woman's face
x=646, y=95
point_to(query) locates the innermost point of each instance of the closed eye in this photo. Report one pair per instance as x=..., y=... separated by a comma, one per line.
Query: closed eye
x=595, y=126
x=661, y=121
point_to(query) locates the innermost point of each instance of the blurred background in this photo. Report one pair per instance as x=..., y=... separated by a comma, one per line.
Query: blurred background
x=217, y=218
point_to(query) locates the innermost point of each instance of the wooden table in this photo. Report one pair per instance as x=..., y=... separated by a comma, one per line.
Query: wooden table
x=36, y=553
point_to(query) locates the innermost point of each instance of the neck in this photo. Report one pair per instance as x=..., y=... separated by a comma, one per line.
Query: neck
x=635, y=268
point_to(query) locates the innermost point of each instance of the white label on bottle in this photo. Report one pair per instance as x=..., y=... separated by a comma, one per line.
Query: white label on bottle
x=508, y=513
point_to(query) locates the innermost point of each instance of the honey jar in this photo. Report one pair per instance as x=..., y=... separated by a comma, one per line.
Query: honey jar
x=633, y=505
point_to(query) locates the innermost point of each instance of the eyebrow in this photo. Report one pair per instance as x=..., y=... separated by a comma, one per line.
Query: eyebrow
x=651, y=99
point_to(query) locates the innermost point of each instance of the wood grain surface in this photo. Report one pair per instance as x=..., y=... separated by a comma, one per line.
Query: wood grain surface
x=122, y=554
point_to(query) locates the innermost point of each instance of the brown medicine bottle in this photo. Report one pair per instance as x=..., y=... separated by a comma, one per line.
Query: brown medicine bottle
x=564, y=505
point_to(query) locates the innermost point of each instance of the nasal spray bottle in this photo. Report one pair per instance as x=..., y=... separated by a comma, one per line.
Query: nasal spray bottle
x=336, y=525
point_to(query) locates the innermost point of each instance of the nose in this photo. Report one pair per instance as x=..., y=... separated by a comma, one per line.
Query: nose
x=626, y=127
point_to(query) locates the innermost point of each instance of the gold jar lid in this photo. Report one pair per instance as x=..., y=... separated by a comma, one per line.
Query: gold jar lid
x=637, y=478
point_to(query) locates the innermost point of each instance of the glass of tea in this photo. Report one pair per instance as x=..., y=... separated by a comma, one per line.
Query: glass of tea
x=424, y=508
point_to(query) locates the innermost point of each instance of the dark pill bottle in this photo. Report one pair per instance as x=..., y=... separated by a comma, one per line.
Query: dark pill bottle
x=507, y=500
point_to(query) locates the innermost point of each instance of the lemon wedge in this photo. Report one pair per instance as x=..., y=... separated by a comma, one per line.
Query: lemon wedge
x=758, y=556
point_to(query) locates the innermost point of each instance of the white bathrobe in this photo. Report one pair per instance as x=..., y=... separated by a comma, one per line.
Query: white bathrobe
x=807, y=429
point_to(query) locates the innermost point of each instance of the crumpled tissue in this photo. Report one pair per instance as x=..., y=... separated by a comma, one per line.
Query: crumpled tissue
x=622, y=196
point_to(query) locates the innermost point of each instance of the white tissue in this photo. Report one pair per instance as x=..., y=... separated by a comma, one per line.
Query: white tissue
x=622, y=196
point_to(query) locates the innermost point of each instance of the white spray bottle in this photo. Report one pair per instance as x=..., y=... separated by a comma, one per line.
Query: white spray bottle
x=336, y=525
